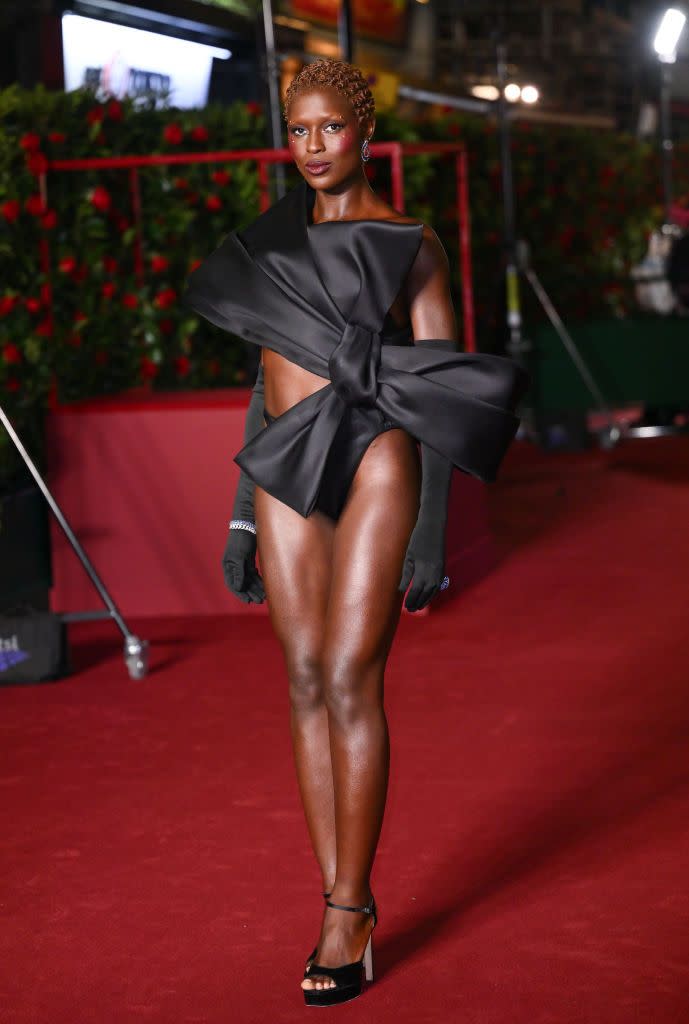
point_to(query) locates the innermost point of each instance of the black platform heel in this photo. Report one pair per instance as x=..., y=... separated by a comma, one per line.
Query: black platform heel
x=312, y=956
x=350, y=977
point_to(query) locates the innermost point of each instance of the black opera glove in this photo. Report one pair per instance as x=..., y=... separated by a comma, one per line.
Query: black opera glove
x=239, y=557
x=425, y=558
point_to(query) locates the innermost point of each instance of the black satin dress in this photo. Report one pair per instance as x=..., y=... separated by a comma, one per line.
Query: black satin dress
x=320, y=294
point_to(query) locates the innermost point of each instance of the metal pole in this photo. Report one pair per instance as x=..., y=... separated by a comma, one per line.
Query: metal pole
x=666, y=136
x=273, y=80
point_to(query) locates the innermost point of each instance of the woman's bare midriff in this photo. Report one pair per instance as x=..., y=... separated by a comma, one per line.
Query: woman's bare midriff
x=285, y=383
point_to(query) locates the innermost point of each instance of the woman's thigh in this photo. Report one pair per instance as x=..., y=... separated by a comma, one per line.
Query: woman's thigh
x=369, y=546
x=295, y=555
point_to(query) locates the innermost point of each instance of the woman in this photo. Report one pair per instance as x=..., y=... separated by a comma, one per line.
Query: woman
x=351, y=305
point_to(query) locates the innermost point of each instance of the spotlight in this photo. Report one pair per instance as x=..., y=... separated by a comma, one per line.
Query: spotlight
x=530, y=94
x=667, y=36
x=485, y=92
x=512, y=92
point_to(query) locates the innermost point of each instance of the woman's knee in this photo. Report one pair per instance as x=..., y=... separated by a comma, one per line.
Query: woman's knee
x=352, y=687
x=306, y=691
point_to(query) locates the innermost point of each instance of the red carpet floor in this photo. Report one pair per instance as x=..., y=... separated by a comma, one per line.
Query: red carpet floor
x=533, y=862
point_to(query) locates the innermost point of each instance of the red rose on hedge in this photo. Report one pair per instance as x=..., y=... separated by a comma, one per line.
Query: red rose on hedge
x=253, y=108
x=100, y=199
x=11, y=354
x=130, y=301
x=221, y=177
x=49, y=220
x=74, y=340
x=199, y=133
x=44, y=329
x=115, y=112
x=32, y=304
x=182, y=366
x=30, y=141
x=95, y=115
x=109, y=264
x=173, y=134
x=36, y=162
x=34, y=205
x=148, y=368
x=159, y=264
x=181, y=183
x=166, y=326
x=165, y=298
x=213, y=203
x=57, y=137
x=7, y=304
x=11, y=209
x=194, y=265
x=108, y=290
x=67, y=265
x=12, y=384
x=80, y=317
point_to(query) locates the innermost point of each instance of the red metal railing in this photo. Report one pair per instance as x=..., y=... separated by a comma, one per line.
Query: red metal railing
x=394, y=151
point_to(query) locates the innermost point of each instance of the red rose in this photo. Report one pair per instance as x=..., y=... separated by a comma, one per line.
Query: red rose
x=44, y=329
x=45, y=294
x=192, y=198
x=30, y=141
x=11, y=354
x=130, y=301
x=32, y=304
x=181, y=183
x=182, y=366
x=115, y=111
x=159, y=264
x=454, y=129
x=34, y=205
x=193, y=265
x=95, y=115
x=36, y=162
x=74, y=340
x=214, y=367
x=11, y=209
x=108, y=290
x=199, y=133
x=57, y=137
x=101, y=358
x=7, y=304
x=49, y=220
x=173, y=134
x=149, y=370
x=12, y=384
x=221, y=177
x=213, y=203
x=166, y=326
x=253, y=108
x=67, y=265
x=80, y=317
x=100, y=199
x=165, y=298
x=109, y=264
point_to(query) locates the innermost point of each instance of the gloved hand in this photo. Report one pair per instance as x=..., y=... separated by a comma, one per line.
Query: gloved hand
x=424, y=563
x=239, y=557
x=239, y=567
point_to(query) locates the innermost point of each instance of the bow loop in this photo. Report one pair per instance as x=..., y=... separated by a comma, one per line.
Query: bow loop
x=353, y=365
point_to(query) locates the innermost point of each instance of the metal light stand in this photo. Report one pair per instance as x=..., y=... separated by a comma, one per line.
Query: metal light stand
x=135, y=649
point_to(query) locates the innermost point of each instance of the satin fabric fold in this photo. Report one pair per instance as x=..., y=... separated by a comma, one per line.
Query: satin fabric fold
x=266, y=284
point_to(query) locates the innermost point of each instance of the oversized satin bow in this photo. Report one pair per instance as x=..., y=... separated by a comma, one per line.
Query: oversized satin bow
x=264, y=285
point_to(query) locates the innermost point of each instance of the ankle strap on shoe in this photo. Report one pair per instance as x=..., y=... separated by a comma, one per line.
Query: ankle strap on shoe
x=370, y=908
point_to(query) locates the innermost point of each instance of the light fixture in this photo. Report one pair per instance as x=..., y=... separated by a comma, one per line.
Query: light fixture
x=667, y=36
x=512, y=92
x=530, y=94
x=485, y=92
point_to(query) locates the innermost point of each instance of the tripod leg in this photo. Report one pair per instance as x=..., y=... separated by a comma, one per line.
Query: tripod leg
x=135, y=649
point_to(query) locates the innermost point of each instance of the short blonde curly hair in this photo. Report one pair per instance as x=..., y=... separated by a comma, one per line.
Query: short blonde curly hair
x=334, y=74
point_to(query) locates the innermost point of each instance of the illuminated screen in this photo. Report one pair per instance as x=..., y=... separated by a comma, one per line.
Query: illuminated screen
x=117, y=60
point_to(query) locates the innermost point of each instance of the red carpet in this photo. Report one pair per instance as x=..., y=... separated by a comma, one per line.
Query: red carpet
x=533, y=862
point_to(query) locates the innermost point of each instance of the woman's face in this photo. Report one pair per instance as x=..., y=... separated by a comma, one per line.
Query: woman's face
x=324, y=137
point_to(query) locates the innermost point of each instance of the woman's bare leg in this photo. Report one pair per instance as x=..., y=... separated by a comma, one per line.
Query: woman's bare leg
x=369, y=546
x=295, y=556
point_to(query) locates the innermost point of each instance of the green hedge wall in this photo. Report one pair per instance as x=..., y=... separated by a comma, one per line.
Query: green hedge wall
x=586, y=201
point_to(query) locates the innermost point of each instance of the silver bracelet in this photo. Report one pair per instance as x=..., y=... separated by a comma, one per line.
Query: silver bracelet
x=242, y=524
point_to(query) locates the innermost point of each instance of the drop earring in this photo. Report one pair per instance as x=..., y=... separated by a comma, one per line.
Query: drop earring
x=365, y=152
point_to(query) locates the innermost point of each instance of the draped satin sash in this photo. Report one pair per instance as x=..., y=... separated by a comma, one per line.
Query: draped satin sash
x=266, y=284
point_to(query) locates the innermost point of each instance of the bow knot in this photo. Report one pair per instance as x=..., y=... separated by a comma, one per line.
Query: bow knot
x=353, y=365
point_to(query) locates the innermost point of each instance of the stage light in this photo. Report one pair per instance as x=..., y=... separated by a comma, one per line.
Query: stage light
x=485, y=92
x=512, y=92
x=667, y=36
x=530, y=94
